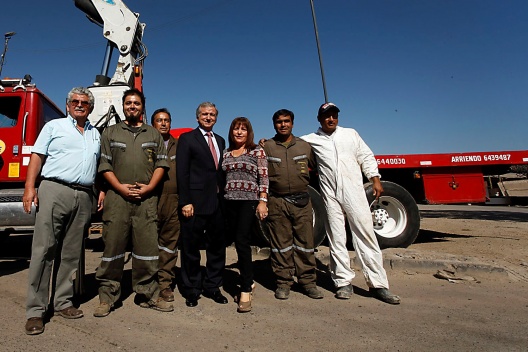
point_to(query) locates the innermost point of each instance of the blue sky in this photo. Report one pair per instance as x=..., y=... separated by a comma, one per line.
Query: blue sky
x=412, y=76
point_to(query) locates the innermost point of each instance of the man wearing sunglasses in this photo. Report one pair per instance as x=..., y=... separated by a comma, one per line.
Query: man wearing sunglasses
x=65, y=156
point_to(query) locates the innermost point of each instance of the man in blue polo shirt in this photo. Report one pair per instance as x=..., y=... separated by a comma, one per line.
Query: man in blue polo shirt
x=65, y=155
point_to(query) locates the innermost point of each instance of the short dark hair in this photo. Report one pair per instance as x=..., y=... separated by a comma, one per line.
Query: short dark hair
x=282, y=112
x=157, y=112
x=244, y=121
x=134, y=91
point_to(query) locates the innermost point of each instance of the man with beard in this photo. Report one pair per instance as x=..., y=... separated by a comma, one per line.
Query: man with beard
x=133, y=162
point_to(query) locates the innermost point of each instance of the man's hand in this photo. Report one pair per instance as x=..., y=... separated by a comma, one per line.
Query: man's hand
x=100, y=200
x=262, y=141
x=377, y=188
x=30, y=192
x=188, y=210
x=30, y=196
x=129, y=192
x=143, y=190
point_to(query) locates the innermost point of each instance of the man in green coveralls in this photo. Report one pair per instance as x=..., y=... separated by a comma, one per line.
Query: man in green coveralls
x=168, y=221
x=133, y=162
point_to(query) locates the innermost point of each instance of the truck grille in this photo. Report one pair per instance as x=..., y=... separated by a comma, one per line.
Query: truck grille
x=10, y=199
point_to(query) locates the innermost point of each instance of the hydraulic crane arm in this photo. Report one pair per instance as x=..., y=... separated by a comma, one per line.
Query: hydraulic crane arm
x=122, y=29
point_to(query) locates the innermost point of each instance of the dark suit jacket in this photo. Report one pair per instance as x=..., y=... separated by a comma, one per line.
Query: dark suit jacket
x=198, y=180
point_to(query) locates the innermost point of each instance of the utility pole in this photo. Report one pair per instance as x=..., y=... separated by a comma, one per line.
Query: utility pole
x=319, y=51
x=7, y=36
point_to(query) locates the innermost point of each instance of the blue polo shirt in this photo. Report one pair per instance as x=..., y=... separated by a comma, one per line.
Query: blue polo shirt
x=71, y=155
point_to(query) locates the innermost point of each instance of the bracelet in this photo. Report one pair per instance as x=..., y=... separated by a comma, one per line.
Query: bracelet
x=263, y=199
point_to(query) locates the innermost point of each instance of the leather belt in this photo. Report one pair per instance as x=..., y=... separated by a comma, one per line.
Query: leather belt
x=75, y=186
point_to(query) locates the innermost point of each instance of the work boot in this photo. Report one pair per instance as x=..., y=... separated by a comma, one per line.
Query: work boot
x=167, y=294
x=158, y=304
x=102, y=310
x=384, y=295
x=345, y=292
x=313, y=292
x=282, y=293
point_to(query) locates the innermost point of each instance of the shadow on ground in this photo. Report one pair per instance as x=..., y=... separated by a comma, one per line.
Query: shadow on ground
x=427, y=236
x=475, y=215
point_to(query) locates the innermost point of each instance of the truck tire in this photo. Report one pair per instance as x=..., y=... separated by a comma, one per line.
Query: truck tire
x=319, y=219
x=395, y=216
x=319, y=216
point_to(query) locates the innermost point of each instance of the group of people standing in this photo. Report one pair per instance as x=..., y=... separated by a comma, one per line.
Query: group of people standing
x=156, y=191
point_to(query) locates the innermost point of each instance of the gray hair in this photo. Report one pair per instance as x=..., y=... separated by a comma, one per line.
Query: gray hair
x=81, y=91
x=205, y=104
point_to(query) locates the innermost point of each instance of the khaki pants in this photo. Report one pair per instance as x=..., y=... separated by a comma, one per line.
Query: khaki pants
x=63, y=217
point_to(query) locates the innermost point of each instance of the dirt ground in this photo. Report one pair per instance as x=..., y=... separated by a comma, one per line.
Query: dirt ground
x=489, y=313
x=494, y=235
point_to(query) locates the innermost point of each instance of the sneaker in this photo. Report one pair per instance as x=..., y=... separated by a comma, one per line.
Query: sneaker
x=159, y=304
x=384, y=295
x=345, y=292
x=282, y=293
x=313, y=292
x=102, y=310
x=167, y=294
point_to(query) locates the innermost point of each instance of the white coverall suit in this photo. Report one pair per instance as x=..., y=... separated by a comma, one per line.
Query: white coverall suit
x=341, y=157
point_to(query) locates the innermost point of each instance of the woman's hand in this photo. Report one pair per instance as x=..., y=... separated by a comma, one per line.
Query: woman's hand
x=262, y=210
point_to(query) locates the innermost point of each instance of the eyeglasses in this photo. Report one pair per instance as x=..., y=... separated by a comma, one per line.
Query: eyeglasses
x=84, y=103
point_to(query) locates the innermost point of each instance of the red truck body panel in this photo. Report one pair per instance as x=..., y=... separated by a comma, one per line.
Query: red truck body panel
x=451, y=177
x=16, y=140
x=452, y=159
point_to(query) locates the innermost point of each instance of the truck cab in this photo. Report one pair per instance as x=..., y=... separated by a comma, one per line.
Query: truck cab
x=24, y=110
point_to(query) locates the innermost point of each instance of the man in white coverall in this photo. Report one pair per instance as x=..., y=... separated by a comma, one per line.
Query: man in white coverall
x=341, y=157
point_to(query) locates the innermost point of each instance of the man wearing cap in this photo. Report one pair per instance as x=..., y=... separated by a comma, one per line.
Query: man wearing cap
x=341, y=157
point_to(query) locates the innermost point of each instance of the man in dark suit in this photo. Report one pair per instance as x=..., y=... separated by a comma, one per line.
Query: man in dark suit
x=200, y=185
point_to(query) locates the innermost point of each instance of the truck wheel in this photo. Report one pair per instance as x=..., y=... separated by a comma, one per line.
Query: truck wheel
x=319, y=219
x=395, y=216
x=319, y=216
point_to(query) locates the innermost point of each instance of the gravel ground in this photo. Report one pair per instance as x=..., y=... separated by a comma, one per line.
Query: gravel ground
x=486, y=312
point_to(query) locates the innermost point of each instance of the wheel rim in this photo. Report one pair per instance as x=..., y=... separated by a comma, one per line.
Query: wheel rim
x=389, y=217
